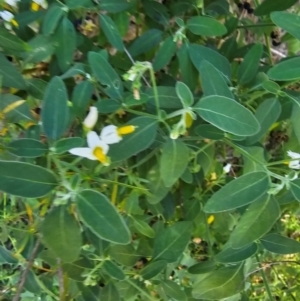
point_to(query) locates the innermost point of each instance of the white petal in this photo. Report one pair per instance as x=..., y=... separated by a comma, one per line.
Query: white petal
x=110, y=135
x=94, y=141
x=294, y=165
x=227, y=168
x=6, y=15
x=91, y=119
x=12, y=2
x=83, y=152
x=293, y=155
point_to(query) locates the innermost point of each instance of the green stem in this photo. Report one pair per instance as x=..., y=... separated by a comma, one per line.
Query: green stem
x=138, y=113
x=265, y=279
x=153, y=82
x=256, y=25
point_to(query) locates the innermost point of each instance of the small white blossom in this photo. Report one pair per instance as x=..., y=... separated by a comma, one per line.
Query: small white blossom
x=295, y=164
x=8, y=18
x=96, y=150
x=91, y=119
x=227, y=168
x=12, y=2
x=36, y=4
x=111, y=134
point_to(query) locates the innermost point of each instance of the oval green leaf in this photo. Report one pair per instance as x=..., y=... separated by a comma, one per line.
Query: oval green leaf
x=171, y=242
x=257, y=220
x=101, y=217
x=26, y=180
x=279, y=244
x=202, y=267
x=269, y=6
x=205, y=26
x=113, y=270
x=140, y=139
x=10, y=42
x=184, y=93
x=286, y=70
x=153, y=268
x=239, y=192
x=30, y=148
x=173, y=290
x=227, y=115
x=55, y=109
x=220, y=284
x=173, y=162
x=287, y=21
x=111, y=32
x=61, y=234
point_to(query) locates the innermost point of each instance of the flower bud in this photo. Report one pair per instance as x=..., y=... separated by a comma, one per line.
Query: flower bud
x=91, y=119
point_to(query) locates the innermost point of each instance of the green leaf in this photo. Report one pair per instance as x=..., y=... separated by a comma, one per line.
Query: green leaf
x=220, y=284
x=106, y=75
x=227, y=115
x=170, y=243
x=114, y=6
x=153, y=269
x=156, y=186
x=269, y=6
x=249, y=67
x=125, y=255
x=61, y=234
x=185, y=94
x=258, y=220
x=230, y=255
x=173, y=290
x=188, y=73
x=168, y=98
x=202, y=267
x=267, y=114
x=32, y=283
x=109, y=293
x=111, y=32
x=239, y=192
x=65, y=38
x=6, y=257
x=209, y=131
x=205, y=26
x=55, y=109
x=295, y=188
x=113, y=270
x=73, y=4
x=101, y=217
x=199, y=53
x=286, y=70
x=271, y=86
x=146, y=42
x=10, y=42
x=10, y=75
x=173, y=162
x=212, y=82
x=156, y=11
x=140, y=139
x=279, y=244
x=51, y=19
x=143, y=227
x=63, y=145
x=41, y=48
x=288, y=22
x=36, y=87
x=164, y=53
x=26, y=180
x=81, y=97
x=76, y=69
x=30, y=148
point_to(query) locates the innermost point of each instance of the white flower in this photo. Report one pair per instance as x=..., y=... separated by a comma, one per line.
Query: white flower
x=295, y=164
x=91, y=119
x=227, y=168
x=8, y=18
x=36, y=4
x=112, y=134
x=96, y=150
x=12, y=2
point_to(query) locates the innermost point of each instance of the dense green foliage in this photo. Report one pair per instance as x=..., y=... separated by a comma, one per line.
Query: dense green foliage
x=149, y=150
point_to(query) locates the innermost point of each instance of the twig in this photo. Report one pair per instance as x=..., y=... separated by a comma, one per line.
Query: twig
x=26, y=271
x=278, y=53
